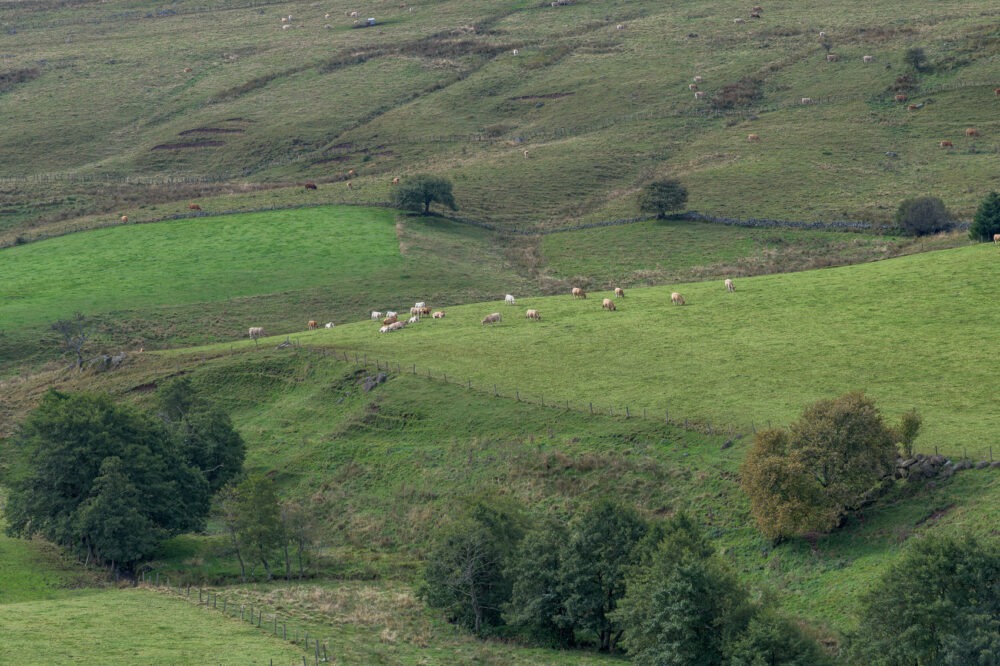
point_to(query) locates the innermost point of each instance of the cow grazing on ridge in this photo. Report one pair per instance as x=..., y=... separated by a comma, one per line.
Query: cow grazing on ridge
x=579, y=293
x=676, y=298
x=619, y=292
x=608, y=305
x=730, y=286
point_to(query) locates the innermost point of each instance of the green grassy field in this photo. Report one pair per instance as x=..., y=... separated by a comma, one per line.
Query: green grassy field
x=102, y=116
x=133, y=626
x=909, y=331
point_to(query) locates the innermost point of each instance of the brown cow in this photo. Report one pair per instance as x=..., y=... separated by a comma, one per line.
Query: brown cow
x=900, y=97
x=676, y=298
x=700, y=94
x=395, y=181
x=608, y=305
x=313, y=324
x=351, y=173
x=832, y=57
x=424, y=311
x=692, y=86
x=124, y=219
x=533, y=314
x=912, y=107
x=753, y=138
x=579, y=293
x=349, y=185
x=438, y=315
x=491, y=318
x=619, y=292
x=996, y=239
x=730, y=286
x=946, y=144
x=971, y=131
x=194, y=207
x=996, y=92
x=390, y=320
x=310, y=185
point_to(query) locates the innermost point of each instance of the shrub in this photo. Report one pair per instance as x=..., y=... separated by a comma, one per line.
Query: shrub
x=915, y=58
x=743, y=93
x=921, y=216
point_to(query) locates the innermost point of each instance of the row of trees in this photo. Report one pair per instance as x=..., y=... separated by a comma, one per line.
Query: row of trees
x=110, y=482
x=918, y=216
x=265, y=531
x=611, y=580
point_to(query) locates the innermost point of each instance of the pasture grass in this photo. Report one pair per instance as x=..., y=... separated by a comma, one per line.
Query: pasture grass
x=908, y=331
x=133, y=626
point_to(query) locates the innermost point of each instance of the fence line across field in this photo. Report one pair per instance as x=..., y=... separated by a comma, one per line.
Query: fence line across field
x=317, y=650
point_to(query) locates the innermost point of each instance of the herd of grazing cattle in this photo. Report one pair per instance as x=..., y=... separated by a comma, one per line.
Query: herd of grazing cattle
x=391, y=322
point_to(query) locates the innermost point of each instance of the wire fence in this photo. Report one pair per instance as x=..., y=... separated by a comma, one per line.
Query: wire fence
x=316, y=648
x=732, y=430
x=530, y=397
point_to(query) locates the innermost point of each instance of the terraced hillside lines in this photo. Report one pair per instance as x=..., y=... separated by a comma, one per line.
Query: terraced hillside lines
x=601, y=110
x=203, y=260
x=910, y=331
x=133, y=626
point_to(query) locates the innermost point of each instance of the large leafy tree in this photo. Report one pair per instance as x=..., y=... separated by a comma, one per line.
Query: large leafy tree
x=420, y=191
x=600, y=550
x=536, y=604
x=83, y=458
x=986, y=223
x=662, y=196
x=465, y=573
x=939, y=604
x=685, y=607
x=203, y=433
x=806, y=478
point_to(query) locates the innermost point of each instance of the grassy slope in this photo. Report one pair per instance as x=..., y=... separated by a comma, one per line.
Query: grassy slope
x=382, y=471
x=302, y=103
x=908, y=331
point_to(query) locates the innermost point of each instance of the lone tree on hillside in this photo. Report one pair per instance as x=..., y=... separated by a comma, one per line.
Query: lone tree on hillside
x=915, y=58
x=418, y=193
x=986, y=223
x=806, y=478
x=73, y=334
x=923, y=215
x=662, y=196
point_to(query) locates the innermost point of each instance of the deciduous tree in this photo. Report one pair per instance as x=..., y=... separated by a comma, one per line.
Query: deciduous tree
x=939, y=604
x=662, y=196
x=807, y=477
x=420, y=191
x=83, y=456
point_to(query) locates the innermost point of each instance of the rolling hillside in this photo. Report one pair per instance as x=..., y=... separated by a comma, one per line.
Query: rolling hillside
x=113, y=106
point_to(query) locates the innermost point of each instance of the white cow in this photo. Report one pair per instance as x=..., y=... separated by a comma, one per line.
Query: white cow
x=376, y=315
x=509, y=299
